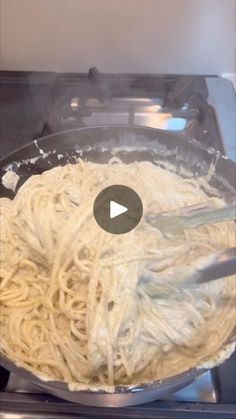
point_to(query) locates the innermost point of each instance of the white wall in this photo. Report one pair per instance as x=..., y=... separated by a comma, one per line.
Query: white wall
x=185, y=36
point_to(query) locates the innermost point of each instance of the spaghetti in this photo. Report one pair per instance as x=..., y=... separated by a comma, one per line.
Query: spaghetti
x=72, y=303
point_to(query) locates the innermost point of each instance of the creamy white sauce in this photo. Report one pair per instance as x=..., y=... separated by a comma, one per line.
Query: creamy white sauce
x=10, y=180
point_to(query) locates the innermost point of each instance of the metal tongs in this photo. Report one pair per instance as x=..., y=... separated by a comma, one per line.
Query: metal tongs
x=221, y=264
x=175, y=222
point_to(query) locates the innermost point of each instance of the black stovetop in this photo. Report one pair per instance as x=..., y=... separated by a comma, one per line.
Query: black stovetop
x=33, y=104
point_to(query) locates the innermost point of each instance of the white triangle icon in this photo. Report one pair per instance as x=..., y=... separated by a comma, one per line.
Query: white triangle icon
x=116, y=209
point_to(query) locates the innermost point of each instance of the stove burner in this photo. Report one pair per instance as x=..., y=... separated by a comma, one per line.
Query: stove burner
x=166, y=102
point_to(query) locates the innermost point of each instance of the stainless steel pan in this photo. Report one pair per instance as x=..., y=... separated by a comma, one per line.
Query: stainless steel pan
x=99, y=144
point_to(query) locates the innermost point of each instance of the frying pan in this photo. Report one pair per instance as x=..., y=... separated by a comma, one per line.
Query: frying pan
x=99, y=144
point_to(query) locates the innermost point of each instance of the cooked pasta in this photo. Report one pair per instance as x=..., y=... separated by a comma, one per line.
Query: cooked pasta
x=72, y=303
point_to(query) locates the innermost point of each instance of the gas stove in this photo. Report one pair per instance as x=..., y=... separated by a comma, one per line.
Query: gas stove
x=39, y=103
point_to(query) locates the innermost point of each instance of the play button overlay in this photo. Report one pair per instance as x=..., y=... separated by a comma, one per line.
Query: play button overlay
x=118, y=209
